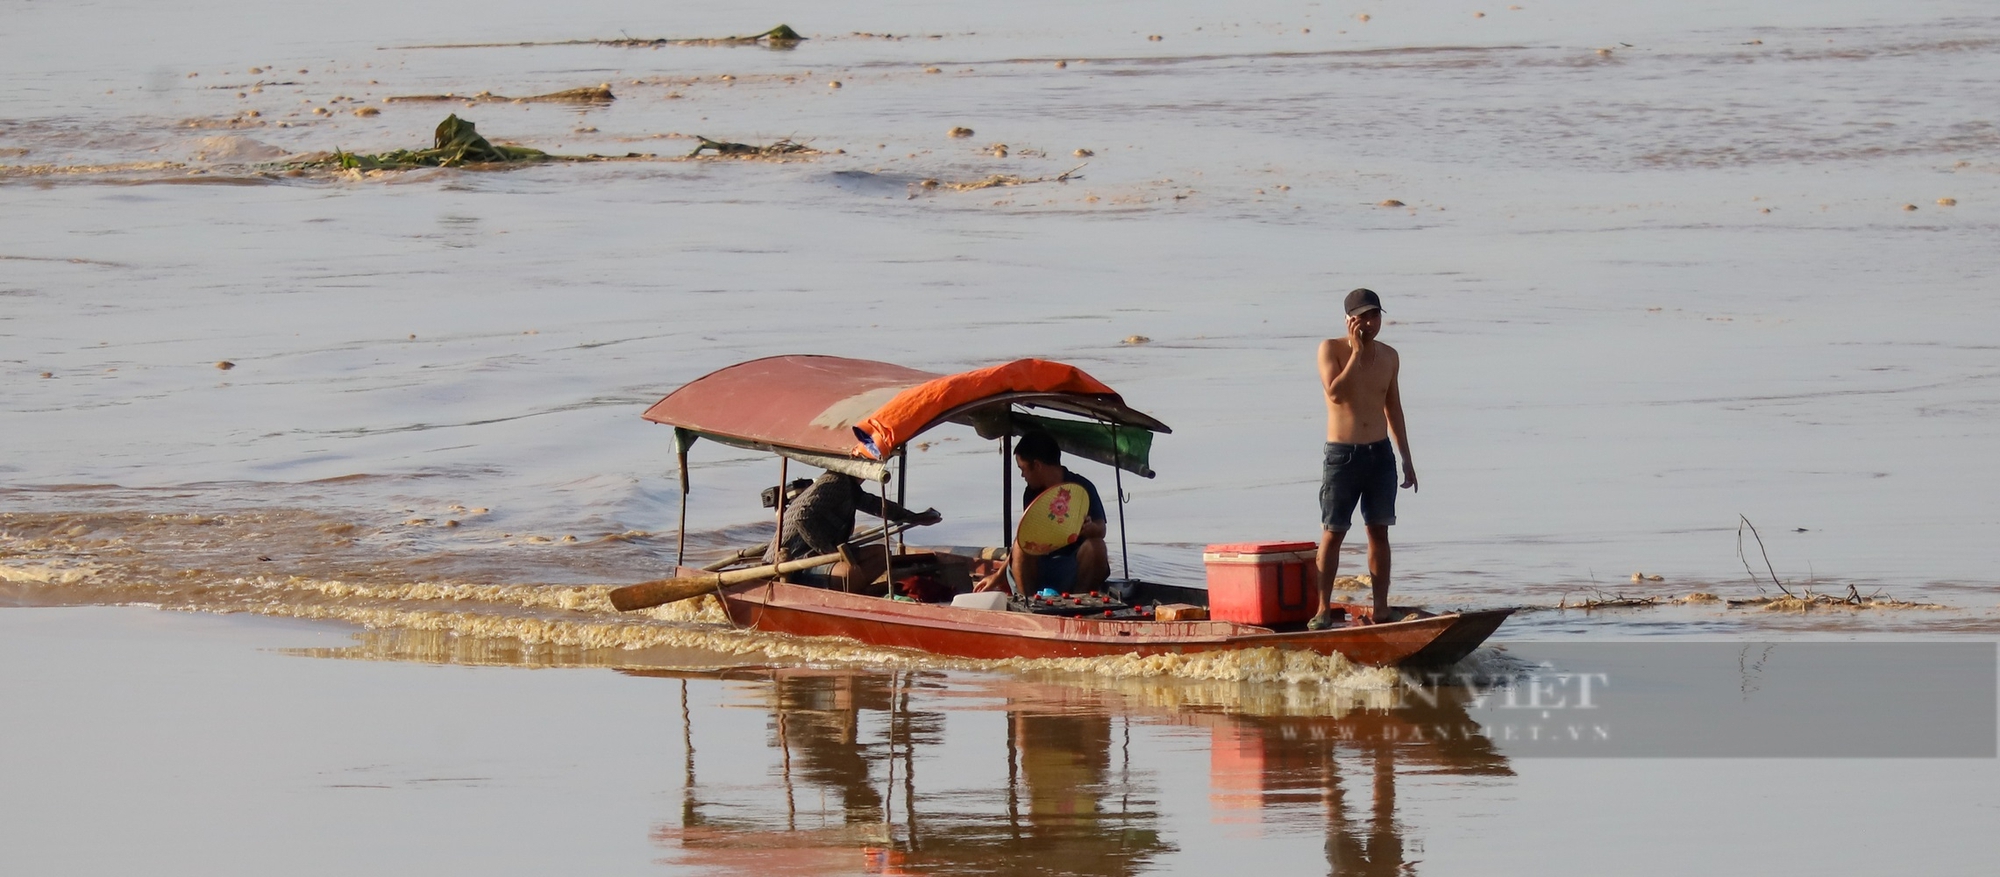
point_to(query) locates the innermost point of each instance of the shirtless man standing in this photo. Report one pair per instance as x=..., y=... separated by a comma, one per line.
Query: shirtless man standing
x=1364, y=410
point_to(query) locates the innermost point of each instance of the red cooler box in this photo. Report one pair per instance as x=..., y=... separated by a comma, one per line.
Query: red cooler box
x=1262, y=583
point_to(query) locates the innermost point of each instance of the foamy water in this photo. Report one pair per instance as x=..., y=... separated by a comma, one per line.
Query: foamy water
x=1651, y=270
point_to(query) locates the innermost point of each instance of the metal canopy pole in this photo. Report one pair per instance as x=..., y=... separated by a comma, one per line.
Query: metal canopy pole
x=1007, y=488
x=888, y=552
x=1118, y=484
x=902, y=486
x=778, y=538
x=681, y=541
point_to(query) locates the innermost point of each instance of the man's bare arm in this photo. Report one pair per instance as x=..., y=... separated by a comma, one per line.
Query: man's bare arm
x=872, y=504
x=1392, y=405
x=1336, y=366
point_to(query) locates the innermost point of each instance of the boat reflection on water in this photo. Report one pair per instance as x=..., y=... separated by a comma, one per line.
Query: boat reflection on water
x=1285, y=769
x=897, y=773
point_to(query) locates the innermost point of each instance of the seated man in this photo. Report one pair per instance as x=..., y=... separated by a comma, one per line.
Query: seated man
x=821, y=518
x=1082, y=565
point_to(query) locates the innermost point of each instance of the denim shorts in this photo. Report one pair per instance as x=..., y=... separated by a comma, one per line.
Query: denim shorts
x=1364, y=474
x=1056, y=571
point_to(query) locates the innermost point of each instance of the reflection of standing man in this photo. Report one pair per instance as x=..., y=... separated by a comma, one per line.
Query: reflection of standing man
x=1364, y=410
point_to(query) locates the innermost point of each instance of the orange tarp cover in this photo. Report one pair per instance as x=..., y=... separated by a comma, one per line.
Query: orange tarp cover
x=917, y=407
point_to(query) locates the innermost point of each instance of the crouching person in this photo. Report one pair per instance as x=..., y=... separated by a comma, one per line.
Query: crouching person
x=820, y=520
x=1082, y=565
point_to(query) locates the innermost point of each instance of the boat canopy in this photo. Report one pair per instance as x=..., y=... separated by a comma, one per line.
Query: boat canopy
x=851, y=415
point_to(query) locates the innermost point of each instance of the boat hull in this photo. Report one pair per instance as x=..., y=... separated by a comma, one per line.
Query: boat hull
x=797, y=610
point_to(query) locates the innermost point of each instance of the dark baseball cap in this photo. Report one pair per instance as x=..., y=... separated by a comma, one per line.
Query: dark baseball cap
x=1362, y=301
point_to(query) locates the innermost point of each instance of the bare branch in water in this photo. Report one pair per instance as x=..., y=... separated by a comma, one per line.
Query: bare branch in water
x=1760, y=548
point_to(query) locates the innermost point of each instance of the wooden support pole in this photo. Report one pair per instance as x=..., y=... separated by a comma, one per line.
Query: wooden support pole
x=681, y=541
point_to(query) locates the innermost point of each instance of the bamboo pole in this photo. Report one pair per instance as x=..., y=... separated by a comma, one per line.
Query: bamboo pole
x=645, y=595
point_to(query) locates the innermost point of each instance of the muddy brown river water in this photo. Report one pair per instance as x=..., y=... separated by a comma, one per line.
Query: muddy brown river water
x=1650, y=268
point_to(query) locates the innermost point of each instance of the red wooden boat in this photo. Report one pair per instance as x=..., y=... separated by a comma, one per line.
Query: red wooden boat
x=858, y=417
x=1424, y=640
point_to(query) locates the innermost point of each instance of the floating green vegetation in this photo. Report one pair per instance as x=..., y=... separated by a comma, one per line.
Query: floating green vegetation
x=457, y=143
x=782, y=35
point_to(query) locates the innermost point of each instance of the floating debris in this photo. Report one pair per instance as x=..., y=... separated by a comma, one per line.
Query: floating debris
x=999, y=150
x=932, y=70
x=1136, y=339
x=1639, y=577
x=598, y=94
x=1947, y=202
x=1909, y=207
x=719, y=147
x=1601, y=600
x=833, y=84
x=999, y=180
x=780, y=37
x=1806, y=600
x=365, y=112
x=457, y=143
x=47, y=170
x=1083, y=153
x=959, y=132
x=1391, y=202
x=225, y=365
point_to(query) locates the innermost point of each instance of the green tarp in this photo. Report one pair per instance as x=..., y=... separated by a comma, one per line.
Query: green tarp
x=1126, y=447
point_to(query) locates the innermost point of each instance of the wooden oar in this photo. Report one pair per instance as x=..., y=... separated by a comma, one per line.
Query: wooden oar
x=746, y=553
x=646, y=595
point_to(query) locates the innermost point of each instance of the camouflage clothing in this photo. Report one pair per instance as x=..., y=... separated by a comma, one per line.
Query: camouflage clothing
x=821, y=517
